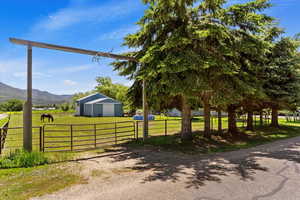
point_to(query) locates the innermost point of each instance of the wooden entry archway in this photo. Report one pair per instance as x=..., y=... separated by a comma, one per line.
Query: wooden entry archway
x=27, y=110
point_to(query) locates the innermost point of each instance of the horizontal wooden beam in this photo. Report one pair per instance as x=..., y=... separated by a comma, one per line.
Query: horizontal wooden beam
x=71, y=49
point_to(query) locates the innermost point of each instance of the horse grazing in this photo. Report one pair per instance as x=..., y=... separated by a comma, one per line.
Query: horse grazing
x=50, y=117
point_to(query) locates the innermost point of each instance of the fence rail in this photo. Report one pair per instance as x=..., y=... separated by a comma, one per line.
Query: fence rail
x=80, y=137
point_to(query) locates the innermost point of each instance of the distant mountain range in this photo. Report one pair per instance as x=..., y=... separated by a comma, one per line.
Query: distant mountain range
x=38, y=97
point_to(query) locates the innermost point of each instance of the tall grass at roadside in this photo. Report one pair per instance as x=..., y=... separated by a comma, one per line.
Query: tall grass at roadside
x=21, y=158
x=24, y=159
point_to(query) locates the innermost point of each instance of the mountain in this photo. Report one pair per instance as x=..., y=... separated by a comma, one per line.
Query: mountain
x=38, y=97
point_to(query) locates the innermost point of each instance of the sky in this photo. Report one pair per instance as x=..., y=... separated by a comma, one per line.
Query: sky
x=90, y=24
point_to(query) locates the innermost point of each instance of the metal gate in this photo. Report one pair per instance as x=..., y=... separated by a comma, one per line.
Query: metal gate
x=81, y=137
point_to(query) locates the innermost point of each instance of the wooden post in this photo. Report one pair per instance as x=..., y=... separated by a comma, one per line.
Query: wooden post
x=145, y=112
x=27, y=126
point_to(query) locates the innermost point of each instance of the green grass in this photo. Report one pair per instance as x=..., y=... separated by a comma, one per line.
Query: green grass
x=20, y=158
x=222, y=143
x=83, y=129
x=84, y=132
x=24, y=183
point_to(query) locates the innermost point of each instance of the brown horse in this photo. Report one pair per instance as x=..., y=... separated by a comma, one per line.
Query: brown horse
x=50, y=117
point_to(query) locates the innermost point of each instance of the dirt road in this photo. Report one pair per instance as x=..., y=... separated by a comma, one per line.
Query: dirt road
x=266, y=172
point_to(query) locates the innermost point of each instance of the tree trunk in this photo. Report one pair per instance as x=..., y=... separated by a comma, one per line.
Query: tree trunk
x=261, y=119
x=219, y=121
x=206, y=107
x=274, y=120
x=250, y=121
x=232, y=128
x=186, y=125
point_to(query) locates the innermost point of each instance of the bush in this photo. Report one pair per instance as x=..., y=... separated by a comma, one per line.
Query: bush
x=65, y=107
x=12, y=105
x=21, y=158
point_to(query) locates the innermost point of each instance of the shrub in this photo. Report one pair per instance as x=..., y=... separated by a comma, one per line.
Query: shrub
x=21, y=158
x=12, y=105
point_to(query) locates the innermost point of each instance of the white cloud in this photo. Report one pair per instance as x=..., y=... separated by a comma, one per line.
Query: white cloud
x=70, y=82
x=72, y=69
x=118, y=34
x=82, y=13
x=7, y=65
x=36, y=75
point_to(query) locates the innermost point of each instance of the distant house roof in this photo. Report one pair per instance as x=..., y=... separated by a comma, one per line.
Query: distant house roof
x=91, y=95
x=103, y=100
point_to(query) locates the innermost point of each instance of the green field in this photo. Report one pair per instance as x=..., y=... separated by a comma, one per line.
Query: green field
x=91, y=132
x=87, y=132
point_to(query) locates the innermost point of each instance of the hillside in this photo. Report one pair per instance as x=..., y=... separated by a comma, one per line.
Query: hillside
x=39, y=97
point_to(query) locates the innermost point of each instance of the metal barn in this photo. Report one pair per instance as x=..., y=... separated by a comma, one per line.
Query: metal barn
x=99, y=105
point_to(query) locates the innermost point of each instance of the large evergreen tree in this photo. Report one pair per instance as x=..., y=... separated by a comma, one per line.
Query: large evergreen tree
x=281, y=77
x=200, y=50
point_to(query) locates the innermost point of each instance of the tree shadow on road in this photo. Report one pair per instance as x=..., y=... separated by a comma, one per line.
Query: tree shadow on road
x=197, y=170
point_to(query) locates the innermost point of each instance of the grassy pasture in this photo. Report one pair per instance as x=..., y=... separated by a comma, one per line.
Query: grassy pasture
x=84, y=131
x=88, y=132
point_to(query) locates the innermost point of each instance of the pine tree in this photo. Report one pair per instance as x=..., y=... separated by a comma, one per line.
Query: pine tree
x=192, y=49
x=282, y=84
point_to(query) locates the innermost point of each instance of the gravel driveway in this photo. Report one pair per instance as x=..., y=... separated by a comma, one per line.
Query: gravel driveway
x=266, y=172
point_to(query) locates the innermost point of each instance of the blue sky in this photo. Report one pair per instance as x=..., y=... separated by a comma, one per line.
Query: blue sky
x=90, y=24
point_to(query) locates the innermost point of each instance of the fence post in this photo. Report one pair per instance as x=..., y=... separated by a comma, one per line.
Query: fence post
x=116, y=133
x=95, y=132
x=43, y=134
x=41, y=140
x=137, y=130
x=133, y=129
x=166, y=129
x=71, y=129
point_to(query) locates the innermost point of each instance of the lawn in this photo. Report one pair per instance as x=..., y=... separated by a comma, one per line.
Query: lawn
x=86, y=135
x=221, y=142
x=84, y=131
x=24, y=183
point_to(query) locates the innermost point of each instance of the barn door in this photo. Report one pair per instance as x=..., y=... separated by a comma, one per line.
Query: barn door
x=108, y=110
